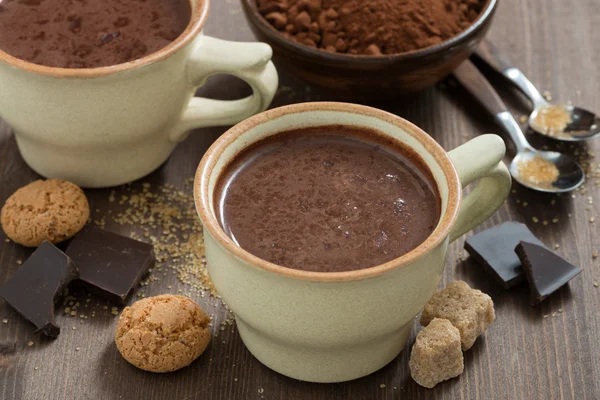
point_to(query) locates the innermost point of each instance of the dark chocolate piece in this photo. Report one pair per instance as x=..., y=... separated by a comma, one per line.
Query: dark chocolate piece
x=494, y=249
x=34, y=288
x=109, y=264
x=546, y=272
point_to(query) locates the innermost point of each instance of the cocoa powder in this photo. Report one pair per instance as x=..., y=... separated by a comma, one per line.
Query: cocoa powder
x=370, y=27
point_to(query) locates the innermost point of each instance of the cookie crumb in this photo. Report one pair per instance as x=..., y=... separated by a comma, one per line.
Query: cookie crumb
x=4, y=321
x=382, y=386
x=30, y=343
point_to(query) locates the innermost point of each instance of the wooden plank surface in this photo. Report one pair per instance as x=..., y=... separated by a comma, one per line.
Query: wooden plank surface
x=548, y=352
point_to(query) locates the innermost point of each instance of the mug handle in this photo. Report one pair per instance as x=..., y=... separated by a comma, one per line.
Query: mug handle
x=480, y=159
x=248, y=61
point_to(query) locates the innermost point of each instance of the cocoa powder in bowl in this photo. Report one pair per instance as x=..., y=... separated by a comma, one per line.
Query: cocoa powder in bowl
x=370, y=27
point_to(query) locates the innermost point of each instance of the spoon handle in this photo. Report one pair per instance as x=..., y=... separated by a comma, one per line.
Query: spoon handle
x=469, y=76
x=489, y=54
x=475, y=83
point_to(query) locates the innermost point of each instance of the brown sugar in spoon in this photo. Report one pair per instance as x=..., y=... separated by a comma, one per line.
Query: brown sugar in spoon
x=560, y=122
x=544, y=171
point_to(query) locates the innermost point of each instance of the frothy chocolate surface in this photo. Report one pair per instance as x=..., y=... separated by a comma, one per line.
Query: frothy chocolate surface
x=89, y=33
x=328, y=199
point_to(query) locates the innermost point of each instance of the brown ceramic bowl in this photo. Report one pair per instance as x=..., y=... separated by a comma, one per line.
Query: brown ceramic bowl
x=360, y=76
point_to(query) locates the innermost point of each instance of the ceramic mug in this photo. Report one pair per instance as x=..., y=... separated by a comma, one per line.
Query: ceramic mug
x=337, y=326
x=105, y=126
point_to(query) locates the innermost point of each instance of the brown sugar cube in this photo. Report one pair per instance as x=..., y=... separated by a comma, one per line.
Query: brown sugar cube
x=436, y=355
x=470, y=310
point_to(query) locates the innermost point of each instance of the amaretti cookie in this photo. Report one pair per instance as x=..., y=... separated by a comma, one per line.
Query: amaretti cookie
x=51, y=210
x=162, y=333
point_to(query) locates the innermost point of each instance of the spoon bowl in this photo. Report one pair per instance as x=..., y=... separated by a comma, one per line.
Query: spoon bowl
x=554, y=173
x=577, y=123
x=582, y=124
x=570, y=173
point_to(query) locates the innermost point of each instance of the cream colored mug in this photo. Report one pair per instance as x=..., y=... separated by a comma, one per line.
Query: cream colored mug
x=337, y=326
x=106, y=126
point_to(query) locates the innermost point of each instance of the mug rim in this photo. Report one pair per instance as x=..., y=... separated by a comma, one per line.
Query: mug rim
x=197, y=19
x=215, y=151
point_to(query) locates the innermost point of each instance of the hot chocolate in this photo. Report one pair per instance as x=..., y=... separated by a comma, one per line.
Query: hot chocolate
x=332, y=198
x=89, y=33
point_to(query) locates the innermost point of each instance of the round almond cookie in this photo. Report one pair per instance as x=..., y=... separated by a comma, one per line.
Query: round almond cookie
x=162, y=333
x=51, y=210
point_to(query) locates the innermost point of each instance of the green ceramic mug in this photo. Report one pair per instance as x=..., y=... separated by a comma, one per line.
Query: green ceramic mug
x=337, y=326
x=99, y=127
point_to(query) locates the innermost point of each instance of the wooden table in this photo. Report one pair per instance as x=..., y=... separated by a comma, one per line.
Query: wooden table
x=548, y=352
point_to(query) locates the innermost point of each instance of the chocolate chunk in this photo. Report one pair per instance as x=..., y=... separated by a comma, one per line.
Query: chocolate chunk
x=494, y=249
x=110, y=265
x=546, y=272
x=34, y=288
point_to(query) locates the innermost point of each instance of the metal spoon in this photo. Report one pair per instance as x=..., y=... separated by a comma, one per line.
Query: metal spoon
x=570, y=174
x=579, y=124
